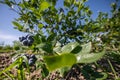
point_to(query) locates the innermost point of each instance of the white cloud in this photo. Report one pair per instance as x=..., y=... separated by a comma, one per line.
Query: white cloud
x=7, y=38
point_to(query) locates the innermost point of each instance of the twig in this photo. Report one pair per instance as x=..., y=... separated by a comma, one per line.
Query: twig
x=113, y=70
x=7, y=75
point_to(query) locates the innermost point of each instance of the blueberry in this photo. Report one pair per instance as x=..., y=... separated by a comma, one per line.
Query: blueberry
x=31, y=62
x=21, y=38
x=33, y=56
x=25, y=42
x=30, y=37
x=29, y=44
x=61, y=10
x=26, y=36
x=30, y=41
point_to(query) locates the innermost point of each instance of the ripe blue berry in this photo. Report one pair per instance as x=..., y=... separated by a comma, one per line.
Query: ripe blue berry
x=32, y=56
x=25, y=42
x=30, y=37
x=31, y=62
x=22, y=38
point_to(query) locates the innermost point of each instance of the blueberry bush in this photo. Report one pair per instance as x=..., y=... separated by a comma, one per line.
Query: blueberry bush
x=64, y=41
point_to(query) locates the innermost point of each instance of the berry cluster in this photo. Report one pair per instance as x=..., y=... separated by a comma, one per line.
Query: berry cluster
x=27, y=40
x=31, y=59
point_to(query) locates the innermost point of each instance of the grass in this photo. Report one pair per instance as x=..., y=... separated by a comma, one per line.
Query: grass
x=5, y=51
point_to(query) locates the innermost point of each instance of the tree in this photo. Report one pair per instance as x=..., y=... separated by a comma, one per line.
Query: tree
x=67, y=23
x=1, y=45
x=42, y=17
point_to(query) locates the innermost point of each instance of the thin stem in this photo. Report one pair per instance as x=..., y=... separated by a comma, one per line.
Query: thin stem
x=7, y=75
x=100, y=66
x=113, y=70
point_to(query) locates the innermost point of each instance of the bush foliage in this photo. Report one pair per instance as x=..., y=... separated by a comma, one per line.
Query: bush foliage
x=65, y=35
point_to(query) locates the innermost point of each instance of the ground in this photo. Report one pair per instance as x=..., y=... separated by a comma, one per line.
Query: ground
x=75, y=73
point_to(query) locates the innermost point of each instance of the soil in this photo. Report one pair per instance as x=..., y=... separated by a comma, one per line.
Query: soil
x=5, y=60
x=75, y=73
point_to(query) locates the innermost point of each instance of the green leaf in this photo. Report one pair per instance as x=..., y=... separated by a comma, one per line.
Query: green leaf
x=10, y=75
x=89, y=58
x=104, y=76
x=40, y=26
x=53, y=2
x=76, y=50
x=55, y=62
x=51, y=37
x=21, y=74
x=80, y=6
x=64, y=70
x=47, y=47
x=8, y=3
x=57, y=49
x=69, y=47
x=44, y=5
x=16, y=24
x=86, y=48
x=84, y=0
x=118, y=79
x=45, y=71
x=68, y=3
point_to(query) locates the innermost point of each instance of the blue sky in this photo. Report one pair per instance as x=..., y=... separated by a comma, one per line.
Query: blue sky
x=8, y=34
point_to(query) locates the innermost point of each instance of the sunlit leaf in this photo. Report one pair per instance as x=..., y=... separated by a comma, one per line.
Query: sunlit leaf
x=57, y=50
x=44, y=5
x=69, y=47
x=89, y=58
x=40, y=26
x=86, y=48
x=59, y=61
x=80, y=6
x=68, y=3
x=21, y=74
x=17, y=25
